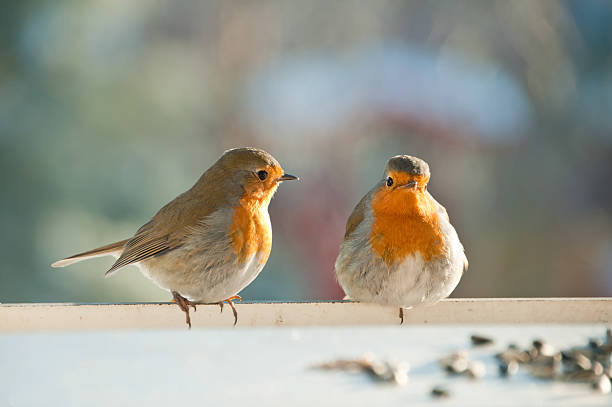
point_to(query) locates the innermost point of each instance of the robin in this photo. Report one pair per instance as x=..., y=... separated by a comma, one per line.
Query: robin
x=399, y=248
x=211, y=241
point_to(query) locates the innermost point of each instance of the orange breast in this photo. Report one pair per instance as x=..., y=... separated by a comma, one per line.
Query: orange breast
x=250, y=231
x=405, y=222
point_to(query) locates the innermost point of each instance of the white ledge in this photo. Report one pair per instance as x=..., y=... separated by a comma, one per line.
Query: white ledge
x=62, y=317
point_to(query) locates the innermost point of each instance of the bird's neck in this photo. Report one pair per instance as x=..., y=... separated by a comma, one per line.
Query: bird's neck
x=256, y=201
x=405, y=223
x=406, y=202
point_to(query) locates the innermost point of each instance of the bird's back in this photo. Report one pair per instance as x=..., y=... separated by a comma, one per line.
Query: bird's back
x=169, y=227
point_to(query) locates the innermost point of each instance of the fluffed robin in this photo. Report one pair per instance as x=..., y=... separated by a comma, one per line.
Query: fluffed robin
x=211, y=241
x=399, y=248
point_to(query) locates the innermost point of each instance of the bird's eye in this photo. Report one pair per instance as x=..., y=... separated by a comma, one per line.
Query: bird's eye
x=262, y=174
x=389, y=181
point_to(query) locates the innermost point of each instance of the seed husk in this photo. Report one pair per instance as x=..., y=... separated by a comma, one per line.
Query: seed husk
x=595, y=343
x=457, y=363
x=582, y=361
x=541, y=347
x=480, y=340
x=508, y=369
x=580, y=376
x=602, y=384
x=476, y=370
x=512, y=354
x=440, y=392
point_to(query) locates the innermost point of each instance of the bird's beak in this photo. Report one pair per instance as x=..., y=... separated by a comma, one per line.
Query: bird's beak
x=287, y=177
x=411, y=184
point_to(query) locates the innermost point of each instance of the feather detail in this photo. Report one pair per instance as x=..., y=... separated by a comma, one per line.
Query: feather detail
x=358, y=213
x=113, y=249
x=221, y=186
x=141, y=251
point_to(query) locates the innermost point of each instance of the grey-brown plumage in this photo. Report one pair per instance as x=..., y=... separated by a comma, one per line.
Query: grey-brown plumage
x=408, y=164
x=220, y=185
x=211, y=241
x=399, y=247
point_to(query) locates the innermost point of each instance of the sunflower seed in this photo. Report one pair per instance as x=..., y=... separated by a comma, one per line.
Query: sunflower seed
x=456, y=363
x=440, y=392
x=508, y=369
x=479, y=340
x=476, y=370
x=602, y=385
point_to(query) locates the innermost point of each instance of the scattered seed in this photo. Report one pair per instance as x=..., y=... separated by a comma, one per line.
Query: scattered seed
x=512, y=354
x=440, y=392
x=479, y=340
x=595, y=343
x=508, y=369
x=580, y=376
x=605, y=353
x=476, y=370
x=568, y=356
x=400, y=374
x=602, y=385
x=597, y=368
x=457, y=363
x=381, y=371
x=541, y=348
x=590, y=363
x=542, y=372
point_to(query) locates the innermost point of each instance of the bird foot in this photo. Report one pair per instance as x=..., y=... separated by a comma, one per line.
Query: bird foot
x=184, y=305
x=231, y=304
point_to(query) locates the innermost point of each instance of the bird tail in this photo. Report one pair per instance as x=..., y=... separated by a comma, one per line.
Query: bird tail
x=113, y=249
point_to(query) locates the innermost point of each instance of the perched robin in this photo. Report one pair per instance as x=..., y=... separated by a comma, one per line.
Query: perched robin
x=211, y=241
x=399, y=247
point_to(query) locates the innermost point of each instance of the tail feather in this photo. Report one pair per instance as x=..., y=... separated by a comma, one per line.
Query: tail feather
x=110, y=249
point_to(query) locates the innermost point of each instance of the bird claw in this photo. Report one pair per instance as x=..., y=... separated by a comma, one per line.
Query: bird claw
x=231, y=304
x=184, y=305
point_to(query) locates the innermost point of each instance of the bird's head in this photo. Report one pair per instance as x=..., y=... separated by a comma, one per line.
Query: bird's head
x=253, y=173
x=406, y=173
x=405, y=178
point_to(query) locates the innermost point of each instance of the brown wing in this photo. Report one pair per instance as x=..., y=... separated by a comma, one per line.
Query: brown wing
x=444, y=213
x=142, y=249
x=358, y=213
x=465, y=260
x=167, y=230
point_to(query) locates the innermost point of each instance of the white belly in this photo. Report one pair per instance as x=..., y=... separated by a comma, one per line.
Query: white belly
x=365, y=277
x=205, y=285
x=414, y=282
x=236, y=280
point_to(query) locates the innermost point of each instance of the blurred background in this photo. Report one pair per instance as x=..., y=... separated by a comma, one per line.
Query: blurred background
x=109, y=109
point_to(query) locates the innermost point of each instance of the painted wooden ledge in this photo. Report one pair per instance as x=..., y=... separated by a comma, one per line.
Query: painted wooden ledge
x=62, y=317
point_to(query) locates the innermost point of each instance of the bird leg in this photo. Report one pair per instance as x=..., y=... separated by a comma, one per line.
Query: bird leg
x=229, y=301
x=401, y=315
x=184, y=305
